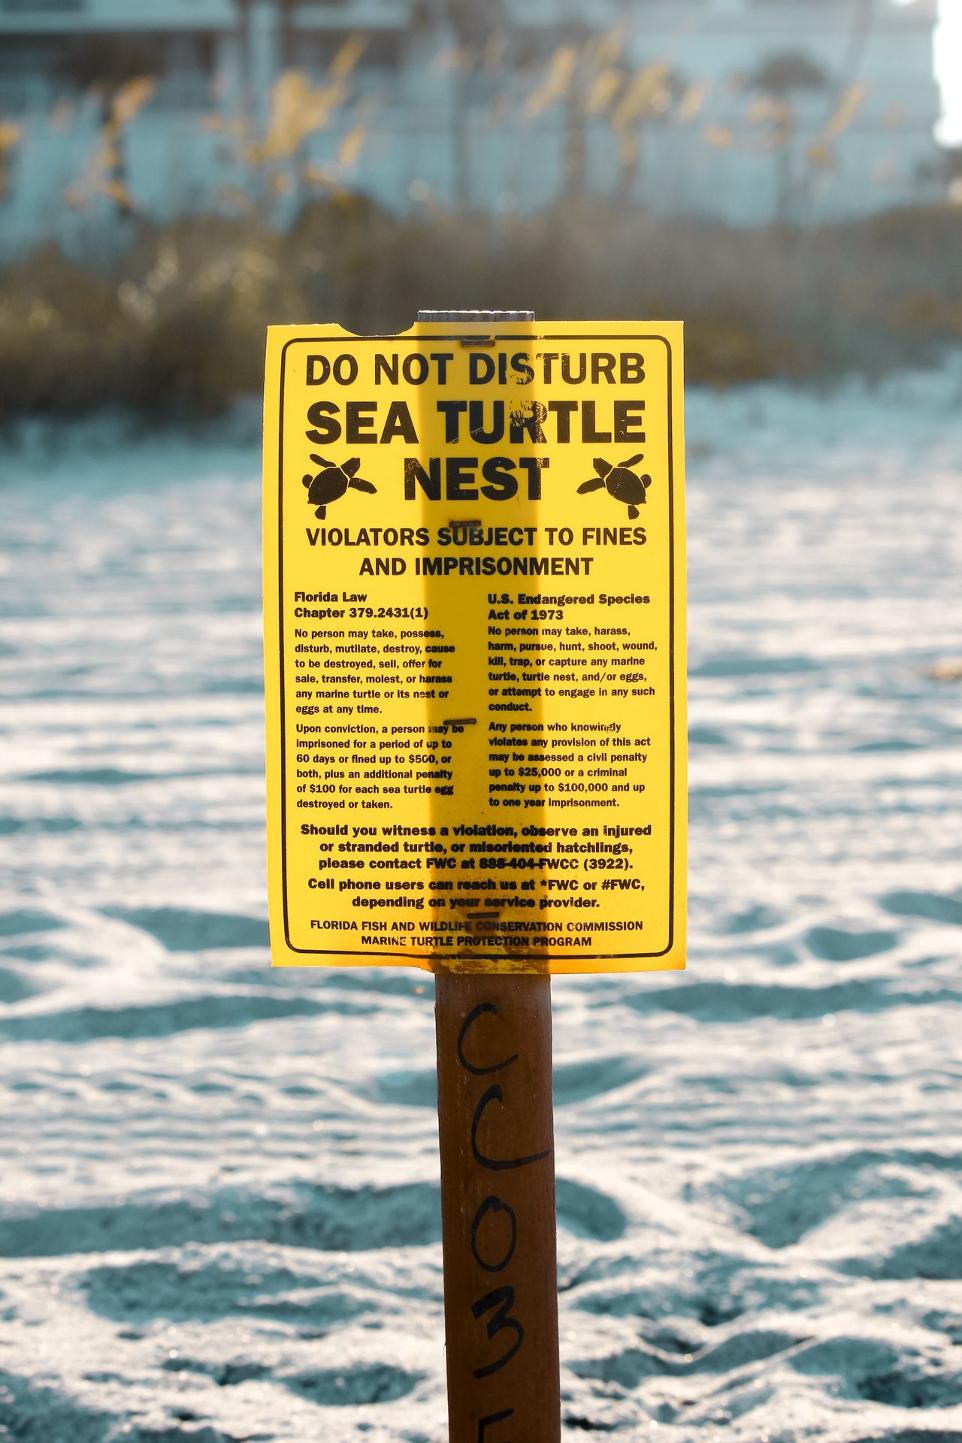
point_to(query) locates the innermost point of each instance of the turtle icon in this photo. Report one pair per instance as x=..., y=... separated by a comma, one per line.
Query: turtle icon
x=332, y=482
x=620, y=482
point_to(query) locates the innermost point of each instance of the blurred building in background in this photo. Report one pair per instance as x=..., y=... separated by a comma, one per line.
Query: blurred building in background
x=754, y=110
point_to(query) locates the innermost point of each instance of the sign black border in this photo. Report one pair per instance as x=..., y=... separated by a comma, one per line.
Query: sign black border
x=414, y=958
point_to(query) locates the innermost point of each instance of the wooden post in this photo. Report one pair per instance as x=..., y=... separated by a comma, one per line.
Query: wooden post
x=498, y=1207
x=497, y=1188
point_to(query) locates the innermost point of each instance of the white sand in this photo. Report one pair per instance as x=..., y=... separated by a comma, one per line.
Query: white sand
x=218, y=1185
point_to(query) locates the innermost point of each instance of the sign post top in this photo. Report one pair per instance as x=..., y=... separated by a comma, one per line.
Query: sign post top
x=466, y=316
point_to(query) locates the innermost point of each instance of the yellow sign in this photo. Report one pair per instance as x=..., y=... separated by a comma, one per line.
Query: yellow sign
x=474, y=601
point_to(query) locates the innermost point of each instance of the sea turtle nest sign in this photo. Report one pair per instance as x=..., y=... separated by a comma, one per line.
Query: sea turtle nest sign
x=474, y=608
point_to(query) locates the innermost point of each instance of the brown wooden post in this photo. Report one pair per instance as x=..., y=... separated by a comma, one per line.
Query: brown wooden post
x=497, y=1187
x=498, y=1207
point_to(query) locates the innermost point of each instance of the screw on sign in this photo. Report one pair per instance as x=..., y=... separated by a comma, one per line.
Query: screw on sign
x=476, y=739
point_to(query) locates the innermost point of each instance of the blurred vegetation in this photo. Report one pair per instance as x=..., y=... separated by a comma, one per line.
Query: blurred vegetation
x=174, y=327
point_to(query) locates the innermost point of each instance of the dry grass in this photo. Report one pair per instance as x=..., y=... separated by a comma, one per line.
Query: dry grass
x=175, y=327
